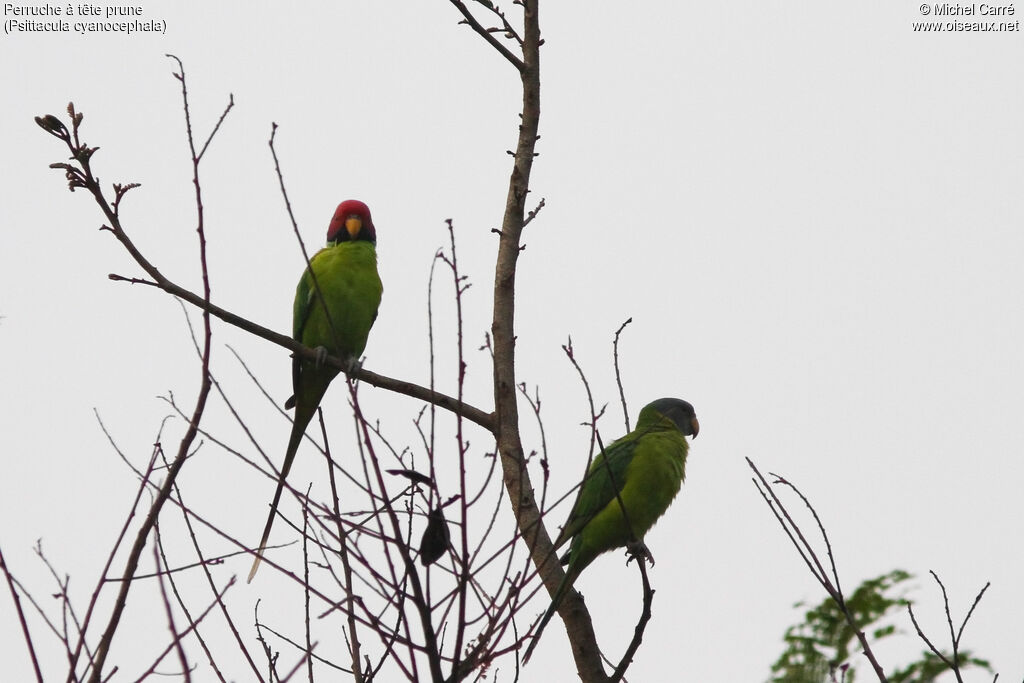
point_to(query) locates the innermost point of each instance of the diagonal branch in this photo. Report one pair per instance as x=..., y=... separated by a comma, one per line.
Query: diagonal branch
x=641, y=626
x=21, y=618
x=184, y=446
x=518, y=63
x=810, y=557
x=83, y=177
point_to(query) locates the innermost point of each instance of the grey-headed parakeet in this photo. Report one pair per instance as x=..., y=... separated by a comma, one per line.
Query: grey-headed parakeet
x=644, y=470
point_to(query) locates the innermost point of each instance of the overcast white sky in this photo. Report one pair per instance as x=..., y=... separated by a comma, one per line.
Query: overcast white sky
x=812, y=214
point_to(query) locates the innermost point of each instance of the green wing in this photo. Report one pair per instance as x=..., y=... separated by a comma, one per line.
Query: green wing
x=304, y=295
x=604, y=480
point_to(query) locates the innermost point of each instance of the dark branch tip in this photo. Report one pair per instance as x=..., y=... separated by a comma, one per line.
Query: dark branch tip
x=52, y=125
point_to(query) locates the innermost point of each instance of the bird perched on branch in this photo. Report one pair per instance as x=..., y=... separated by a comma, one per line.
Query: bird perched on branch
x=628, y=487
x=335, y=306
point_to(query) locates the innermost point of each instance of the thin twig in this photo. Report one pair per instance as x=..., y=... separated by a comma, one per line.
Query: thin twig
x=353, y=637
x=168, y=611
x=21, y=618
x=420, y=605
x=461, y=286
x=954, y=635
x=638, y=630
x=144, y=482
x=920, y=633
x=488, y=36
x=205, y=562
x=305, y=585
x=186, y=442
x=810, y=557
x=618, y=375
x=220, y=596
x=977, y=599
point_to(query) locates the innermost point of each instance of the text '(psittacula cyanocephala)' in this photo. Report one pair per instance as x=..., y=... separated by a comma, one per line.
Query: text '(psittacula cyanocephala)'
x=644, y=470
x=335, y=306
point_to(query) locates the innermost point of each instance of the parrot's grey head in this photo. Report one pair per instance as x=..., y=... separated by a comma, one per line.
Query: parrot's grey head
x=680, y=412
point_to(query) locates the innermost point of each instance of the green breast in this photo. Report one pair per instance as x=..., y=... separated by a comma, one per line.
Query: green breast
x=339, y=311
x=654, y=477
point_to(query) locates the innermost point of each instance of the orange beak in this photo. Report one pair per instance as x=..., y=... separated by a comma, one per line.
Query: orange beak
x=353, y=224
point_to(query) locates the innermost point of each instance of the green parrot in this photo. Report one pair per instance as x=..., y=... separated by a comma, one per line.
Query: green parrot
x=335, y=306
x=645, y=469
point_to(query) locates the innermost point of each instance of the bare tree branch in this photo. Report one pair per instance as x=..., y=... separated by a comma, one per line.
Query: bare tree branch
x=638, y=630
x=489, y=36
x=954, y=634
x=810, y=557
x=469, y=625
x=82, y=177
x=618, y=375
x=131, y=565
x=21, y=618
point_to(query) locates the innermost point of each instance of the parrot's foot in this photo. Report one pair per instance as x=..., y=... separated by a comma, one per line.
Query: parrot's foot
x=321, y=356
x=352, y=364
x=638, y=551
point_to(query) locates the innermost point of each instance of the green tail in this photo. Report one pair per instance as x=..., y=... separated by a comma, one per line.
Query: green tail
x=303, y=415
x=571, y=573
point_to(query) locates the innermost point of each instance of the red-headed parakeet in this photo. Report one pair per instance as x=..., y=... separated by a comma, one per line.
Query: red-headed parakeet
x=335, y=306
x=645, y=470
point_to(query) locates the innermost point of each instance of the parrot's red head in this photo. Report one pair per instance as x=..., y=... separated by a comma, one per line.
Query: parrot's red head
x=351, y=222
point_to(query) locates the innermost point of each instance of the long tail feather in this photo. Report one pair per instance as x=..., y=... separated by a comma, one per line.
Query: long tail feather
x=302, y=419
x=563, y=587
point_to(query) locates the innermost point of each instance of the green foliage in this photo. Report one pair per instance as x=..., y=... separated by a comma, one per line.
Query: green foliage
x=818, y=650
x=822, y=642
x=929, y=668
